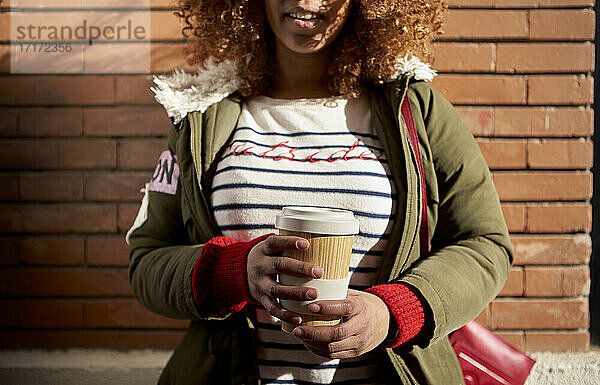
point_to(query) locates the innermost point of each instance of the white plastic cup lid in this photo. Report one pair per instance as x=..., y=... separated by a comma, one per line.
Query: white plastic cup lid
x=317, y=220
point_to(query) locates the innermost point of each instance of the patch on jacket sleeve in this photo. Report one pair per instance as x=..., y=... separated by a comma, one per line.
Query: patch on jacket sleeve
x=166, y=174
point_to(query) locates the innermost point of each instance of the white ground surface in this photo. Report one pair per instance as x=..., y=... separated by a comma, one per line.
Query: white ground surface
x=81, y=367
x=105, y=367
x=565, y=368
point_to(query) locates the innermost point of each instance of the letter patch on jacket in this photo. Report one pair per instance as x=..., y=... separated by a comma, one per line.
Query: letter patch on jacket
x=165, y=174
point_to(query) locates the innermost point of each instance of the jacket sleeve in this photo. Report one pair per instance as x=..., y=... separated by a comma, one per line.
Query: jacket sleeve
x=163, y=258
x=470, y=248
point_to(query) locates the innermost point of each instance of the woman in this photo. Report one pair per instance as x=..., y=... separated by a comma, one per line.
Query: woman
x=298, y=103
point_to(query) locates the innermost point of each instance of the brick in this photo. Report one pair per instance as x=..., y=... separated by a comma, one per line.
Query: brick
x=126, y=314
x=543, y=121
x=57, y=153
x=5, y=26
x=560, y=89
x=115, y=186
x=573, y=121
x=553, y=281
x=516, y=339
x=108, y=58
x=48, y=314
x=150, y=339
x=543, y=185
x=161, y=3
x=134, y=90
x=10, y=188
x=165, y=26
x=107, y=251
x=167, y=56
x=480, y=120
x=484, y=317
x=515, y=216
x=4, y=57
x=482, y=89
x=559, y=218
x=63, y=339
x=540, y=314
x=557, y=340
x=51, y=187
x=55, y=218
x=544, y=57
x=73, y=16
x=127, y=214
x=470, y=3
x=44, y=122
x=117, y=58
x=140, y=153
x=126, y=121
x=9, y=316
x=542, y=3
x=91, y=4
x=10, y=251
x=52, y=250
x=127, y=3
x=56, y=90
x=503, y=154
x=563, y=24
x=560, y=154
x=514, y=286
x=59, y=339
x=463, y=57
x=8, y=122
x=517, y=121
x=552, y=249
x=64, y=282
x=485, y=24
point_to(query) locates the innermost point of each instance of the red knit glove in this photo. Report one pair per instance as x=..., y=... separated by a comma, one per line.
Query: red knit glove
x=219, y=278
x=406, y=312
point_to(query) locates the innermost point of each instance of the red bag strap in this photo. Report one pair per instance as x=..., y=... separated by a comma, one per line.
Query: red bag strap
x=472, y=343
x=414, y=141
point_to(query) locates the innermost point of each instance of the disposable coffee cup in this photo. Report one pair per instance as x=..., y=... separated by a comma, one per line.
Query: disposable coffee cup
x=331, y=234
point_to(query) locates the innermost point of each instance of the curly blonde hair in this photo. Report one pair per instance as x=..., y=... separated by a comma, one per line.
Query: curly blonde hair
x=376, y=32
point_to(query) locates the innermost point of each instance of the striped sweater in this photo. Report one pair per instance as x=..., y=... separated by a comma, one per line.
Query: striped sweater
x=315, y=152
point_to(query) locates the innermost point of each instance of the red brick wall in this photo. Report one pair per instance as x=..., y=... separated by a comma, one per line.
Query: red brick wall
x=75, y=149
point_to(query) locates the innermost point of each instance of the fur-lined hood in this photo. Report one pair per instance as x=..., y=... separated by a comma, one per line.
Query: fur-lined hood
x=184, y=92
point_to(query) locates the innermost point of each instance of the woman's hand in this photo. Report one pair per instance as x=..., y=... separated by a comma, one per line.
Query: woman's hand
x=265, y=262
x=365, y=326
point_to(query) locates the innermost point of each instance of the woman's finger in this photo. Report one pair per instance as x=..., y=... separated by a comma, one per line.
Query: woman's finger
x=294, y=293
x=353, y=343
x=294, y=267
x=347, y=348
x=277, y=311
x=346, y=308
x=276, y=244
x=324, y=334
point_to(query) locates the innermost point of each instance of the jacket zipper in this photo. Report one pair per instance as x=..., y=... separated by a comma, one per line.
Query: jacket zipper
x=399, y=93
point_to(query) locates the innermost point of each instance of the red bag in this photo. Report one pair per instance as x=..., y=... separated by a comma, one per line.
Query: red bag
x=485, y=359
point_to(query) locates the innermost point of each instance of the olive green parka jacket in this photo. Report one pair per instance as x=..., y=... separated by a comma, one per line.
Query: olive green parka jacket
x=468, y=264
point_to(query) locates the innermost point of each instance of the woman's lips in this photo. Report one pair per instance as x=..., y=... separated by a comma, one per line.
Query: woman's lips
x=305, y=24
x=303, y=18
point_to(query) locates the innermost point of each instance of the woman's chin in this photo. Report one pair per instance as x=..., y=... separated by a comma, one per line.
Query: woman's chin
x=304, y=45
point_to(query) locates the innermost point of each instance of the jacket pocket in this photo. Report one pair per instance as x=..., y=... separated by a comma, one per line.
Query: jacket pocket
x=213, y=352
x=200, y=359
x=435, y=365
